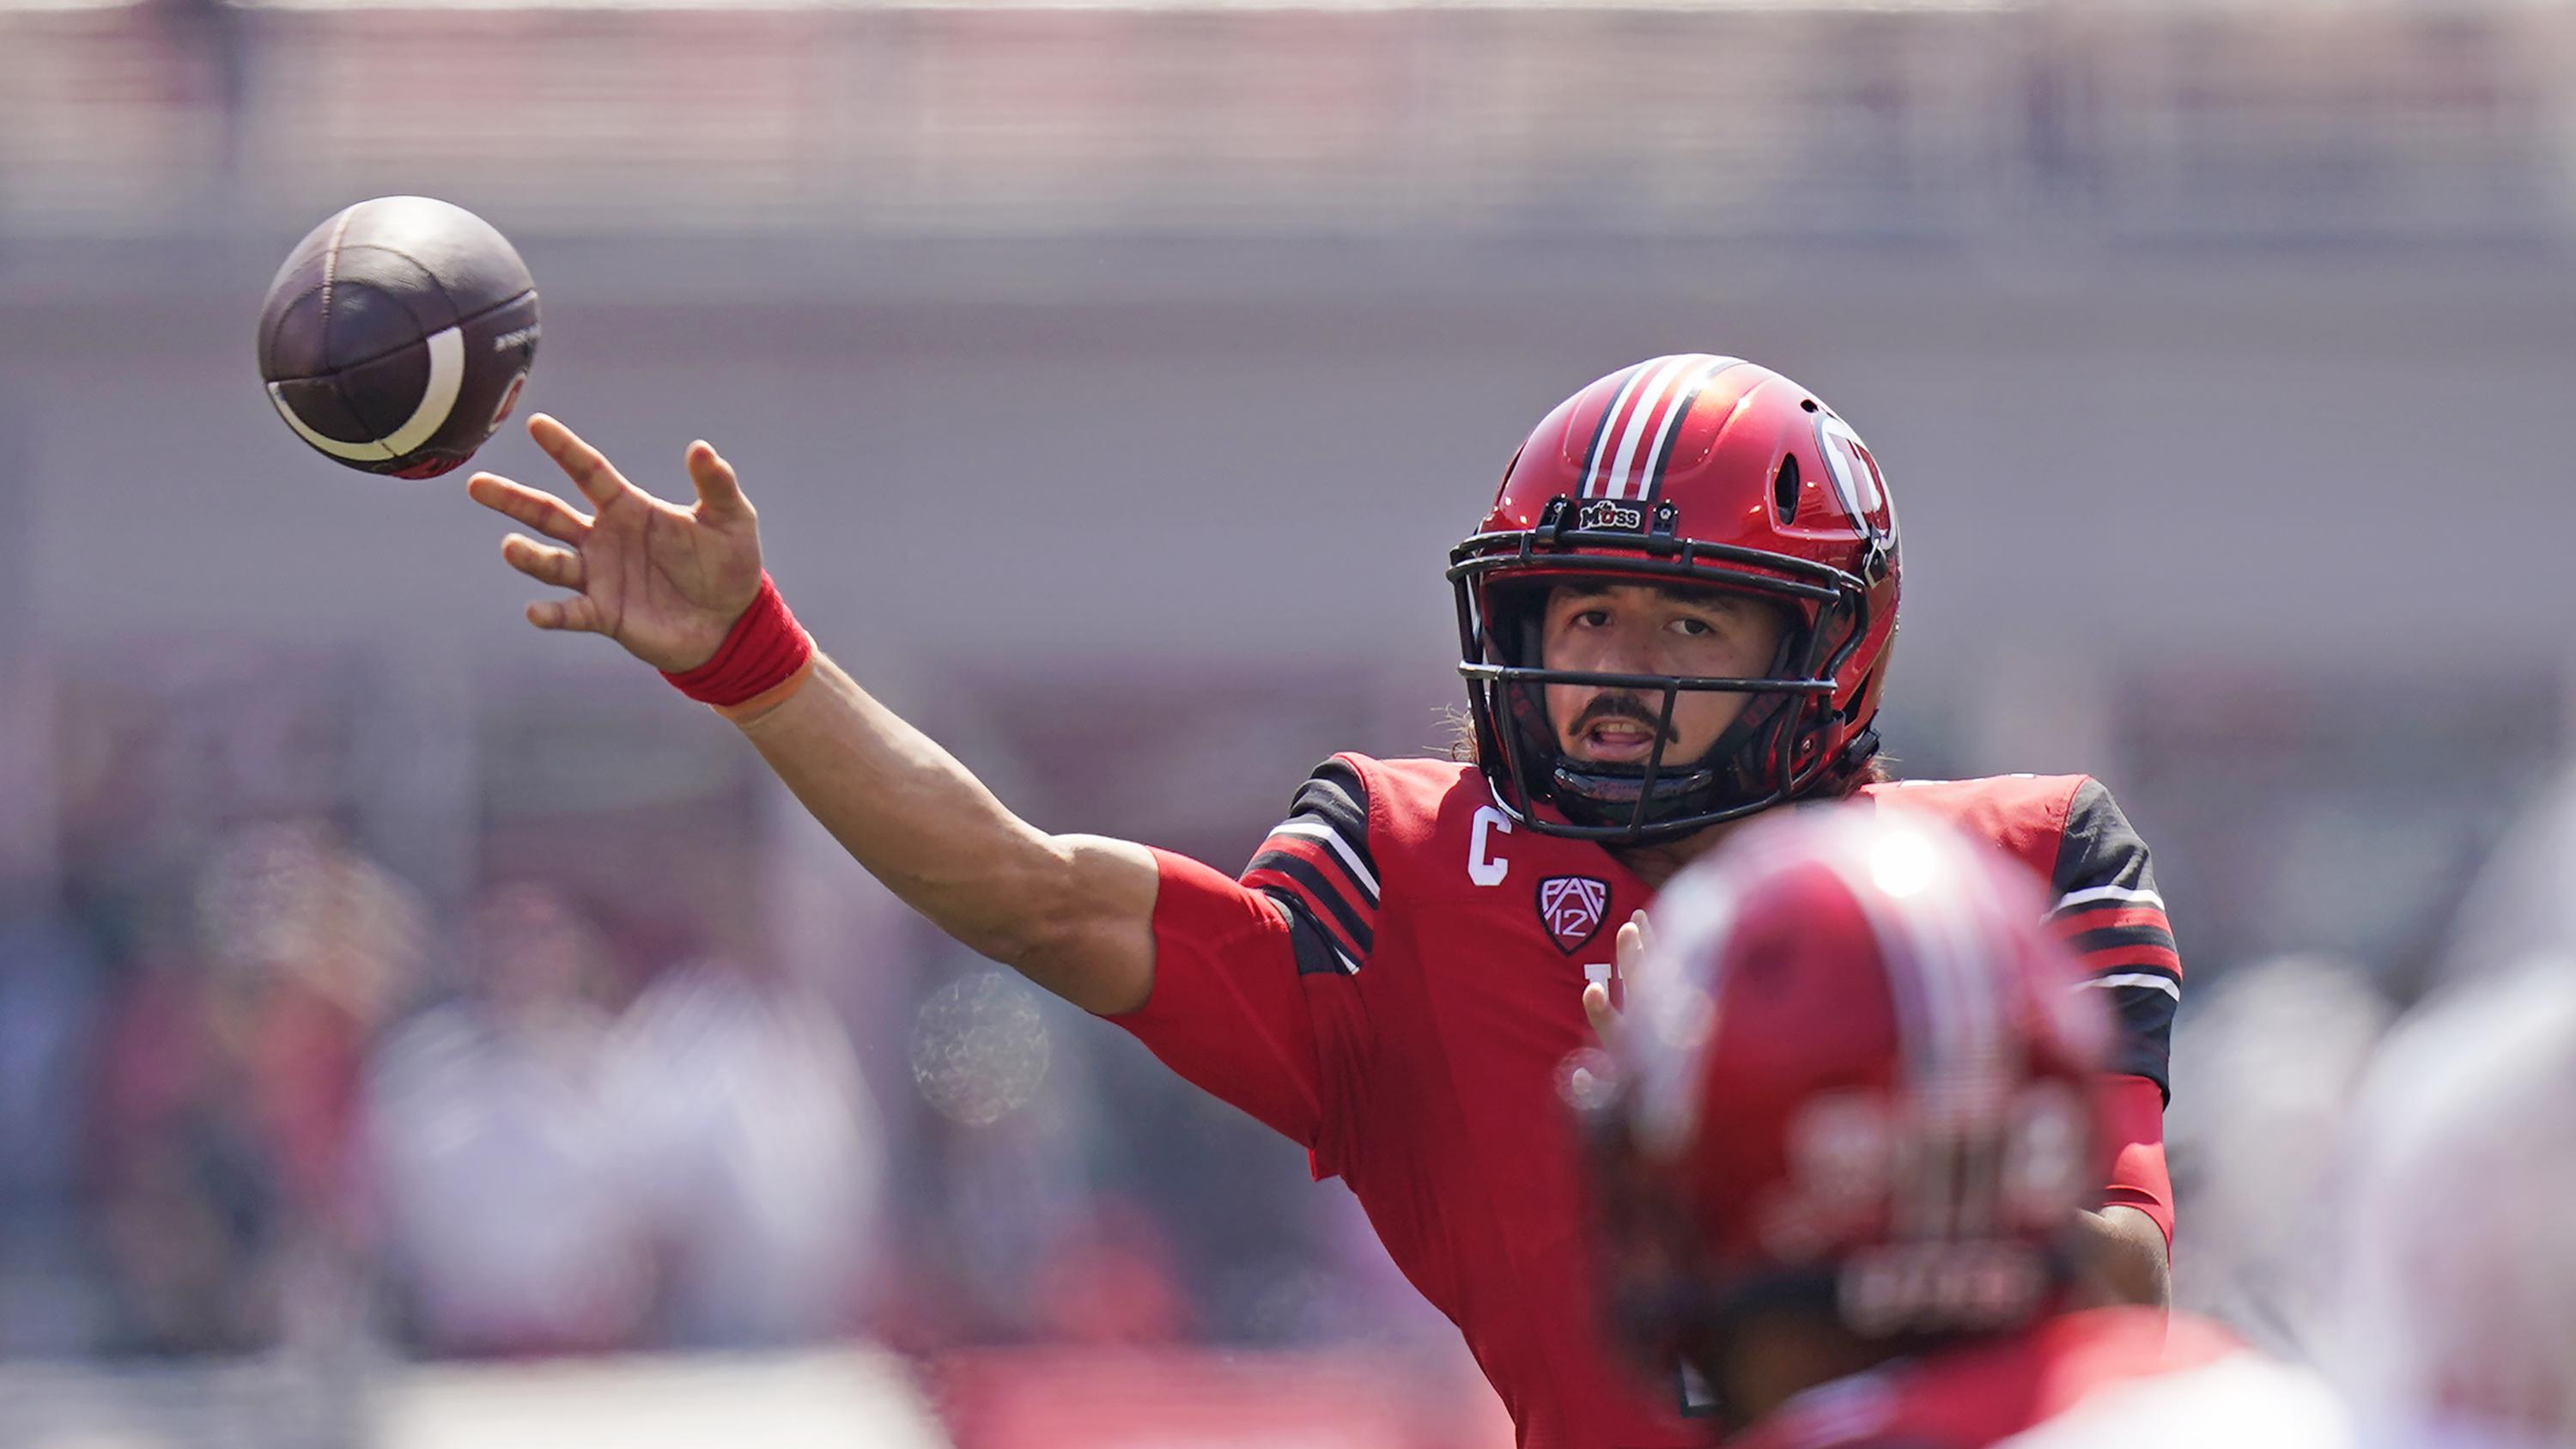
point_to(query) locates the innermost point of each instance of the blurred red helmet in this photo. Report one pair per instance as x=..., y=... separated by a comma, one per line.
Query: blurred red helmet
x=1853, y=1076
x=1692, y=471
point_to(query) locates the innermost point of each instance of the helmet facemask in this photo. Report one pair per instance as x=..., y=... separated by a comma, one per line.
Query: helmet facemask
x=1769, y=753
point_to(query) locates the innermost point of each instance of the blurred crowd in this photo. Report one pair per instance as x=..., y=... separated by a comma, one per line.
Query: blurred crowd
x=265, y=1090
x=250, y=1118
x=1989, y=123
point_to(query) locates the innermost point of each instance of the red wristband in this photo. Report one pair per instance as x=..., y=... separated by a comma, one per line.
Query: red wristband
x=763, y=649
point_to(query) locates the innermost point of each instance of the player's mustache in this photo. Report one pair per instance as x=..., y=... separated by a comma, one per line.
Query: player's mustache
x=1616, y=705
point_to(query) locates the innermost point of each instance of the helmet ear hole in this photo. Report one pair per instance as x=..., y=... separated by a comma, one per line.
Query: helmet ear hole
x=1784, y=488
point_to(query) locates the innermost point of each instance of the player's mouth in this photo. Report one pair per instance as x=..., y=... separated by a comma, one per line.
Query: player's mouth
x=1615, y=742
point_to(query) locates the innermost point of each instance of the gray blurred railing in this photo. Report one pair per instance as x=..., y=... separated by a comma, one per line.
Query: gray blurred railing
x=1947, y=124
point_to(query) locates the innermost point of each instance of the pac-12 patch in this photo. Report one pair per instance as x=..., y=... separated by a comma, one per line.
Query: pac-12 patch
x=1572, y=908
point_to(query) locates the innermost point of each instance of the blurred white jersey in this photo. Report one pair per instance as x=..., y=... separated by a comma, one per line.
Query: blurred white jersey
x=2243, y=1401
x=2454, y=1290
x=2103, y=1378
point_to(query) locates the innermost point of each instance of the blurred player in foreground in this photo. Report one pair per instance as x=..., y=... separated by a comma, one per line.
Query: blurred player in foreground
x=1838, y=1142
x=1675, y=616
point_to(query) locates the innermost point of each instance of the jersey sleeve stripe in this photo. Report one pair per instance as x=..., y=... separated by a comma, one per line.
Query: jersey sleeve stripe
x=2112, y=938
x=2132, y=958
x=1317, y=916
x=1279, y=867
x=2108, y=910
x=2144, y=980
x=2092, y=895
x=2105, y=915
x=1316, y=864
x=1331, y=878
x=1351, y=860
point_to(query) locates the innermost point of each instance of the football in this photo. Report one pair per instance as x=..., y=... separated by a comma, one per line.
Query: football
x=398, y=334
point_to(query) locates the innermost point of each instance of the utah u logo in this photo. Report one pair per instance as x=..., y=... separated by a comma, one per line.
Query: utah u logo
x=1571, y=907
x=1858, y=485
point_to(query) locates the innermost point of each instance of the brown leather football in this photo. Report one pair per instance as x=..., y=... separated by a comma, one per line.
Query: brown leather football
x=398, y=334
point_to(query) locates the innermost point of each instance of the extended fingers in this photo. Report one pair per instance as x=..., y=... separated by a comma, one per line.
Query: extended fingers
x=576, y=613
x=528, y=506
x=587, y=467
x=1633, y=942
x=558, y=566
x=1596, y=1006
x=719, y=490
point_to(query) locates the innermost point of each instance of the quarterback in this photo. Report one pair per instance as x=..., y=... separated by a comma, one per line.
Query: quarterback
x=1675, y=615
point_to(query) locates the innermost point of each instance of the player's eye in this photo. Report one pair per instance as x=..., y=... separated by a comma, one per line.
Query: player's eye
x=1692, y=628
x=1592, y=618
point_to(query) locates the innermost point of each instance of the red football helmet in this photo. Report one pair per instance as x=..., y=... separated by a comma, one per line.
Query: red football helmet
x=1852, y=1076
x=1689, y=470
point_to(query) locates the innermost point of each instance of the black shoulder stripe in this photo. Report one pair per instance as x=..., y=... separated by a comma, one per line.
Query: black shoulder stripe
x=2099, y=846
x=1316, y=954
x=1297, y=869
x=2142, y=975
x=1331, y=809
x=1335, y=796
x=2085, y=943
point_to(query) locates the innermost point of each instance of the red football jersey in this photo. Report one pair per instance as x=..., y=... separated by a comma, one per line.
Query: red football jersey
x=1396, y=981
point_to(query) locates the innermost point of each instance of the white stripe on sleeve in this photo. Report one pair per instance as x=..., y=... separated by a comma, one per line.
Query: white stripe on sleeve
x=2090, y=894
x=1316, y=830
x=2150, y=980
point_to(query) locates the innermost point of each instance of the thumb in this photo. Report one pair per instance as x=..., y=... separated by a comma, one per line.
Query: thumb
x=720, y=497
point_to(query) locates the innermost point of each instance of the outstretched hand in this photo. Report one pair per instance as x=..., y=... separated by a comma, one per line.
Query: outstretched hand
x=1633, y=940
x=665, y=582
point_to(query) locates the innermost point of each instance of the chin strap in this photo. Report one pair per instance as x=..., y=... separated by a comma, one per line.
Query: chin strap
x=1619, y=785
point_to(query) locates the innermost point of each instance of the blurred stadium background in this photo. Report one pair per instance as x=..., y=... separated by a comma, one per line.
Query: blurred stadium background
x=417, y=1031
